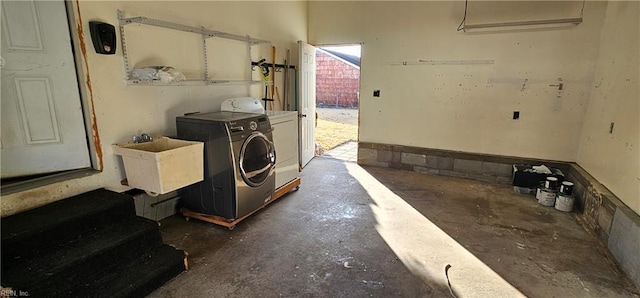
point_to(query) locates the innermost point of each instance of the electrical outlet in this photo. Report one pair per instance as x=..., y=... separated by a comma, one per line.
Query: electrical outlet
x=376, y=93
x=516, y=115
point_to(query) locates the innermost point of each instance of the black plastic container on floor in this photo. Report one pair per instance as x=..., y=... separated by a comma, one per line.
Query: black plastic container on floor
x=525, y=176
x=90, y=245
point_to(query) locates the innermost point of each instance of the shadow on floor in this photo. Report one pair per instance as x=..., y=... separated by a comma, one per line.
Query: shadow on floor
x=318, y=241
x=359, y=232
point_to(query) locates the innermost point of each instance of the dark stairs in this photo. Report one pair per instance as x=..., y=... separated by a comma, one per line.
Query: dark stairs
x=90, y=245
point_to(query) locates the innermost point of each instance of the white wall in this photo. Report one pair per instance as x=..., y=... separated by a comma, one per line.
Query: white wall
x=122, y=111
x=466, y=107
x=614, y=159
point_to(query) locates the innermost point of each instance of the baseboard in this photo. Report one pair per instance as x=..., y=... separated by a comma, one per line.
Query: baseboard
x=483, y=167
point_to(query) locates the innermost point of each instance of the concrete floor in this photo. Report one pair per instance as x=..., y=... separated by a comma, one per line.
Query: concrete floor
x=345, y=152
x=352, y=232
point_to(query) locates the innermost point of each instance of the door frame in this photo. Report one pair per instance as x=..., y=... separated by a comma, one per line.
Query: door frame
x=79, y=41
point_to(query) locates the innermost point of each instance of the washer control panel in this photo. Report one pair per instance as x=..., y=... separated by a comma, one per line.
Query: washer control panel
x=242, y=128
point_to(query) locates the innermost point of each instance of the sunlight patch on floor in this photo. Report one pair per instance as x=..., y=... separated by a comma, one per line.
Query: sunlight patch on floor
x=424, y=248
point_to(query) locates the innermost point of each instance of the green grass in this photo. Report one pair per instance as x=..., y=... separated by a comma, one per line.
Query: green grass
x=331, y=134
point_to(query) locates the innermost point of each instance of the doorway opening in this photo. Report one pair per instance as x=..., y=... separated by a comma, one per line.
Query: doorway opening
x=337, y=101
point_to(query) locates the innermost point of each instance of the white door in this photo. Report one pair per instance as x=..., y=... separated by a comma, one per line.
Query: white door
x=43, y=128
x=307, y=107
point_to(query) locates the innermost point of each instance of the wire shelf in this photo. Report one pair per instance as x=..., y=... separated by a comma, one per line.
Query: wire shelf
x=190, y=82
x=186, y=28
x=204, y=33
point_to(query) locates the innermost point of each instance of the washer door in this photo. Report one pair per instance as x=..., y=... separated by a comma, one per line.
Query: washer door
x=257, y=159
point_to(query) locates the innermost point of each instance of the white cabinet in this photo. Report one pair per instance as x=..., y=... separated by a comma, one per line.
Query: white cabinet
x=285, y=139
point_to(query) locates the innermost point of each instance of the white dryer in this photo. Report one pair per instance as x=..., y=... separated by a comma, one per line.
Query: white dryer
x=284, y=127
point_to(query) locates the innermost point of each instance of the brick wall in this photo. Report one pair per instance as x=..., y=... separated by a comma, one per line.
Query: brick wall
x=337, y=83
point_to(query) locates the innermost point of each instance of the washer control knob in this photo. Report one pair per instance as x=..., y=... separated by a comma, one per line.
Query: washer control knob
x=253, y=125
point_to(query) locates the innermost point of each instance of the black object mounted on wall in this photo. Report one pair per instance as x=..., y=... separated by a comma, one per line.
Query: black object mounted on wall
x=104, y=37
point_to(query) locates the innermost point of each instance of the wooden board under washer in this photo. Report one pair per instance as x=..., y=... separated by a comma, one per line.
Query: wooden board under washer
x=230, y=224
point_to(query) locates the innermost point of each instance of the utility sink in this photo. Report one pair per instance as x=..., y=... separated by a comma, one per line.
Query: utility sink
x=163, y=165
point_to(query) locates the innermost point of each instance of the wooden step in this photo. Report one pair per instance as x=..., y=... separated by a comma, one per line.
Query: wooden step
x=30, y=233
x=90, y=245
x=79, y=258
x=138, y=278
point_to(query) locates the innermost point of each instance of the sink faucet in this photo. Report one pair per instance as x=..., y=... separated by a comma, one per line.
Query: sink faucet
x=143, y=138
